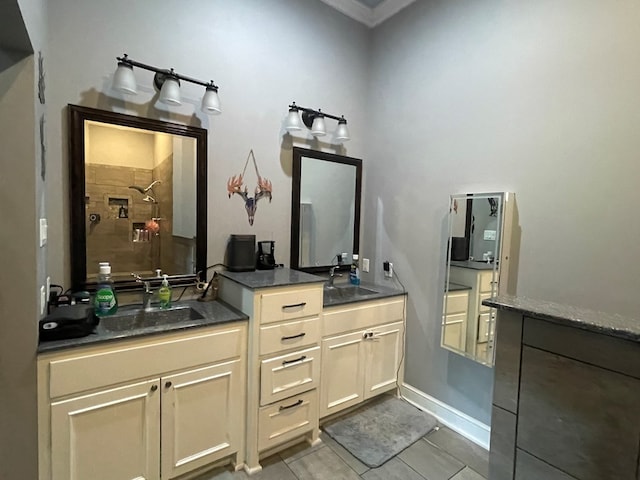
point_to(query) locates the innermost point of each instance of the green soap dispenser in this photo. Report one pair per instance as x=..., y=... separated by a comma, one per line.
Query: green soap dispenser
x=164, y=294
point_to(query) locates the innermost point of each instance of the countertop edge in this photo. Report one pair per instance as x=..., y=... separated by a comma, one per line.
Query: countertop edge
x=231, y=315
x=609, y=324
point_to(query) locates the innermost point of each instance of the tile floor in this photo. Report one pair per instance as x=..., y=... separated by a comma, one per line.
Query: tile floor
x=440, y=455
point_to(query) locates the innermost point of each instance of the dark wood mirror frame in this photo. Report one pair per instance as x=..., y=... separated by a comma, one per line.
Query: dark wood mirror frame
x=298, y=154
x=77, y=117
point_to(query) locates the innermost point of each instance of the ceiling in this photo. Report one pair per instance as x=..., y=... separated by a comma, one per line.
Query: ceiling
x=369, y=12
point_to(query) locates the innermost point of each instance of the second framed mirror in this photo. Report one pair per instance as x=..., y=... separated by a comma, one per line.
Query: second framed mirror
x=325, y=209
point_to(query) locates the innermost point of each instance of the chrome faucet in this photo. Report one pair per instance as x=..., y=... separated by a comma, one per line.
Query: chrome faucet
x=147, y=293
x=333, y=275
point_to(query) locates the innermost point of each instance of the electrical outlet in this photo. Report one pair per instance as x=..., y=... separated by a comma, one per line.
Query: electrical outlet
x=489, y=235
x=365, y=264
x=388, y=269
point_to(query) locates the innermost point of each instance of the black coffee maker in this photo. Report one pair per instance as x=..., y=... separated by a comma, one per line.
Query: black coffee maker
x=265, y=258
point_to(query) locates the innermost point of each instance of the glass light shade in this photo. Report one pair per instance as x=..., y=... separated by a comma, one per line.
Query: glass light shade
x=170, y=92
x=211, y=102
x=317, y=128
x=342, y=132
x=124, y=80
x=293, y=122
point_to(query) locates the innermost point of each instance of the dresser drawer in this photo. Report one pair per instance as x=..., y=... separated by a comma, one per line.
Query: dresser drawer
x=290, y=304
x=287, y=419
x=277, y=337
x=291, y=374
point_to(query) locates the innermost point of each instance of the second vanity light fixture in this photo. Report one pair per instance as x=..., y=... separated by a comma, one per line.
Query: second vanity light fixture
x=165, y=80
x=314, y=120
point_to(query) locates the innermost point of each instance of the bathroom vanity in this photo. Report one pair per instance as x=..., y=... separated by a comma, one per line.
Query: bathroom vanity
x=169, y=394
x=311, y=352
x=131, y=402
x=566, y=390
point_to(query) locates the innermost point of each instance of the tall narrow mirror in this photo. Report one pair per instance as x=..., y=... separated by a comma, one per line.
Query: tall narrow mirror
x=138, y=197
x=325, y=209
x=478, y=252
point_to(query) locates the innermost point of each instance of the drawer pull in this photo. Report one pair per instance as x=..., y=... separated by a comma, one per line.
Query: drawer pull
x=294, y=305
x=154, y=388
x=291, y=337
x=298, y=403
x=289, y=362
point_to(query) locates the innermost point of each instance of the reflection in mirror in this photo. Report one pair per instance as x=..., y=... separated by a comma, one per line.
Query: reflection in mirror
x=325, y=209
x=138, y=197
x=477, y=268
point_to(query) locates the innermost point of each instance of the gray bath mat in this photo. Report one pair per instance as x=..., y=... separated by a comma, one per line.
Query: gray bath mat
x=379, y=431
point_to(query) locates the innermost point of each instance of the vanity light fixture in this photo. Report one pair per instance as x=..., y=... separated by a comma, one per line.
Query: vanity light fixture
x=314, y=120
x=165, y=80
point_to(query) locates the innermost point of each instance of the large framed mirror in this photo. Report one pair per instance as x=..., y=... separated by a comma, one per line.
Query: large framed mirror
x=477, y=268
x=138, y=198
x=325, y=210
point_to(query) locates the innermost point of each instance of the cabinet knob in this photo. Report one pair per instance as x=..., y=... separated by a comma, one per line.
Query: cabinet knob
x=154, y=388
x=167, y=385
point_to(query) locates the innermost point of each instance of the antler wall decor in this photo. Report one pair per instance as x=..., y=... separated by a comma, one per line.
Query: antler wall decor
x=264, y=189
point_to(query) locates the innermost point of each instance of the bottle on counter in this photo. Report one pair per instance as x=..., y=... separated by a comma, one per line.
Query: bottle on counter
x=164, y=294
x=354, y=274
x=105, y=301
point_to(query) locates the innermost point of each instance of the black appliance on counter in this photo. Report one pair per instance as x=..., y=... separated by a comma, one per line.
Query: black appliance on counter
x=71, y=321
x=459, y=248
x=266, y=259
x=241, y=253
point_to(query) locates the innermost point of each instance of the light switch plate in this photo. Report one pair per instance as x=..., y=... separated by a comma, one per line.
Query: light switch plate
x=48, y=290
x=43, y=232
x=365, y=264
x=43, y=299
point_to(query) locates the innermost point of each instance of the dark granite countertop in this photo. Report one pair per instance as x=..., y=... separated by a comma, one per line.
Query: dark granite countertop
x=473, y=264
x=456, y=287
x=214, y=313
x=605, y=323
x=341, y=295
x=278, y=277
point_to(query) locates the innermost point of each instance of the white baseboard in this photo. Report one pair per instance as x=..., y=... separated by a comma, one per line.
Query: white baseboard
x=456, y=420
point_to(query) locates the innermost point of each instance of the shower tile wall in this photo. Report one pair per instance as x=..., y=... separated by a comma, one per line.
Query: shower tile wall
x=164, y=195
x=111, y=238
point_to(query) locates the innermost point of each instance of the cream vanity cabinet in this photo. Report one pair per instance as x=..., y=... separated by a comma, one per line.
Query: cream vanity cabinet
x=152, y=408
x=454, y=321
x=481, y=318
x=362, y=345
x=284, y=359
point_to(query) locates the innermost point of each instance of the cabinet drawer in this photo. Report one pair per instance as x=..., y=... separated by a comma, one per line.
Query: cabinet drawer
x=484, y=308
x=96, y=367
x=342, y=319
x=458, y=318
x=289, y=304
x=484, y=319
x=457, y=303
x=291, y=374
x=285, y=420
x=486, y=282
x=284, y=336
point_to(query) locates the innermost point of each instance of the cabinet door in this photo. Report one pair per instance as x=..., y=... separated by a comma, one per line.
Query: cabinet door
x=342, y=378
x=201, y=417
x=383, y=353
x=579, y=418
x=106, y=435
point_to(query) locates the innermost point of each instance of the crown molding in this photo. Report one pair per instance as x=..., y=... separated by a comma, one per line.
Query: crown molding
x=371, y=17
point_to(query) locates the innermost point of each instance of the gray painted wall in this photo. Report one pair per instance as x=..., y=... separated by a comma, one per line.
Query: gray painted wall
x=539, y=98
x=22, y=259
x=262, y=54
